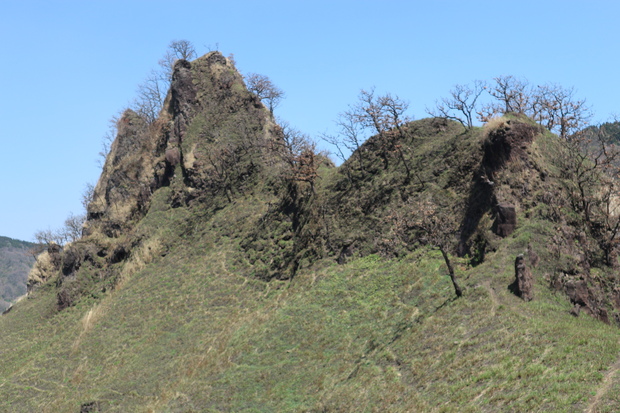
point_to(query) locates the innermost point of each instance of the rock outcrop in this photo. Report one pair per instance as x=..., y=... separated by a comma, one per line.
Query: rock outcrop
x=206, y=95
x=47, y=264
x=523, y=279
x=586, y=298
x=208, y=143
x=505, y=220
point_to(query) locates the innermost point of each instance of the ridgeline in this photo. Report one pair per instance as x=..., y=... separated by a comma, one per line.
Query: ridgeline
x=227, y=266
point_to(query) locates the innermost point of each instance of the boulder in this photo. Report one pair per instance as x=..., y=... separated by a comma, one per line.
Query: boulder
x=55, y=254
x=173, y=156
x=524, y=279
x=505, y=220
x=575, y=310
x=91, y=407
x=578, y=293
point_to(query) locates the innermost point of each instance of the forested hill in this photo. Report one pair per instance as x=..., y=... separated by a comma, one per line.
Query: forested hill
x=15, y=263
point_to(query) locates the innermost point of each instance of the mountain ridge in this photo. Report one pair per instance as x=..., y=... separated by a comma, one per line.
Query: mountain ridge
x=227, y=266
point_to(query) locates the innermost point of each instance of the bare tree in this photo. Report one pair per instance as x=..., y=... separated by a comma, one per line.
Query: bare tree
x=264, y=88
x=88, y=195
x=394, y=109
x=150, y=97
x=590, y=167
x=48, y=237
x=72, y=229
x=461, y=105
x=177, y=49
x=551, y=105
x=294, y=141
x=432, y=224
x=349, y=138
x=108, y=138
x=559, y=111
x=152, y=92
x=513, y=94
x=385, y=116
x=439, y=227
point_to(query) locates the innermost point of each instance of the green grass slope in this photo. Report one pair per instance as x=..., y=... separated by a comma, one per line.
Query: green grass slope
x=190, y=333
x=185, y=324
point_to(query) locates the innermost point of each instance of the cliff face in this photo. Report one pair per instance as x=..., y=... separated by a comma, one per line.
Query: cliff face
x=212, y=141
x=206, y=101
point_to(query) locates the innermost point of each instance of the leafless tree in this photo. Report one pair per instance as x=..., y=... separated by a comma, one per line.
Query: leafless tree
x=72, y=229
x=150, y=97
x=47, y=237
x=88, y=195
x=294, y=141
x=551, y=105
x=385, y=116
x=590, y=167
x=431, y=223
x=108, y=138
x=439, y=227
x=394, y=110
x=349, y=138
x=177, y=49
x=559, y=111
x=152, y=92
x=461, y=105
x=264, y=88
x=512, y=94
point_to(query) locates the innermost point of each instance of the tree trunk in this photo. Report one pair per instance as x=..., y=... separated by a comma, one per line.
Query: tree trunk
x=457, y=289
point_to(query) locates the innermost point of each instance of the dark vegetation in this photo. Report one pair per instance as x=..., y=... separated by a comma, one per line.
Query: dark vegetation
x=226, y=265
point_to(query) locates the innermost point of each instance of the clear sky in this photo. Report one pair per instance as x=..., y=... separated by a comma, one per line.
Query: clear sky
x=68, y=66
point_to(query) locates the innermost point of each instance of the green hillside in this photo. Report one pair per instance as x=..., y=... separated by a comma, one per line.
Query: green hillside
x=15, y=263
x=227, y=267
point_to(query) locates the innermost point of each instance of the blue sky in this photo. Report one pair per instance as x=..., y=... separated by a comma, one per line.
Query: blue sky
x=68, y=66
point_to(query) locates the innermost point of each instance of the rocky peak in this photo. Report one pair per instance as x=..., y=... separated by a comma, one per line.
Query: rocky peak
x=207, y=94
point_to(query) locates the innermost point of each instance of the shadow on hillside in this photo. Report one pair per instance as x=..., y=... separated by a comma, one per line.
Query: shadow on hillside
x=505, y=142
x=480, y=201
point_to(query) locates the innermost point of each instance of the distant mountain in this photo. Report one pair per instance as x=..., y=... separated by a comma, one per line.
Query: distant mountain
x=609, y=132
x=15, y=263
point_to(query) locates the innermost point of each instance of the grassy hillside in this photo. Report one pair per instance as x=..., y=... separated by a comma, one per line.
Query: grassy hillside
x=15, y=263
x=190, y=332
x=227, y=267
x=186, y=325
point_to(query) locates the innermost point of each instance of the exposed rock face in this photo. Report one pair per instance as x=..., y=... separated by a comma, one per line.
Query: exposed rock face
x=212, y=140
x=578, y=293
x=507, y=141
x=505, y=220
x=588, y=299
x=524, y=280
x=134, y=163
x=144, y=157
x=505, y=148
x=48, y=263
x=55, y=253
